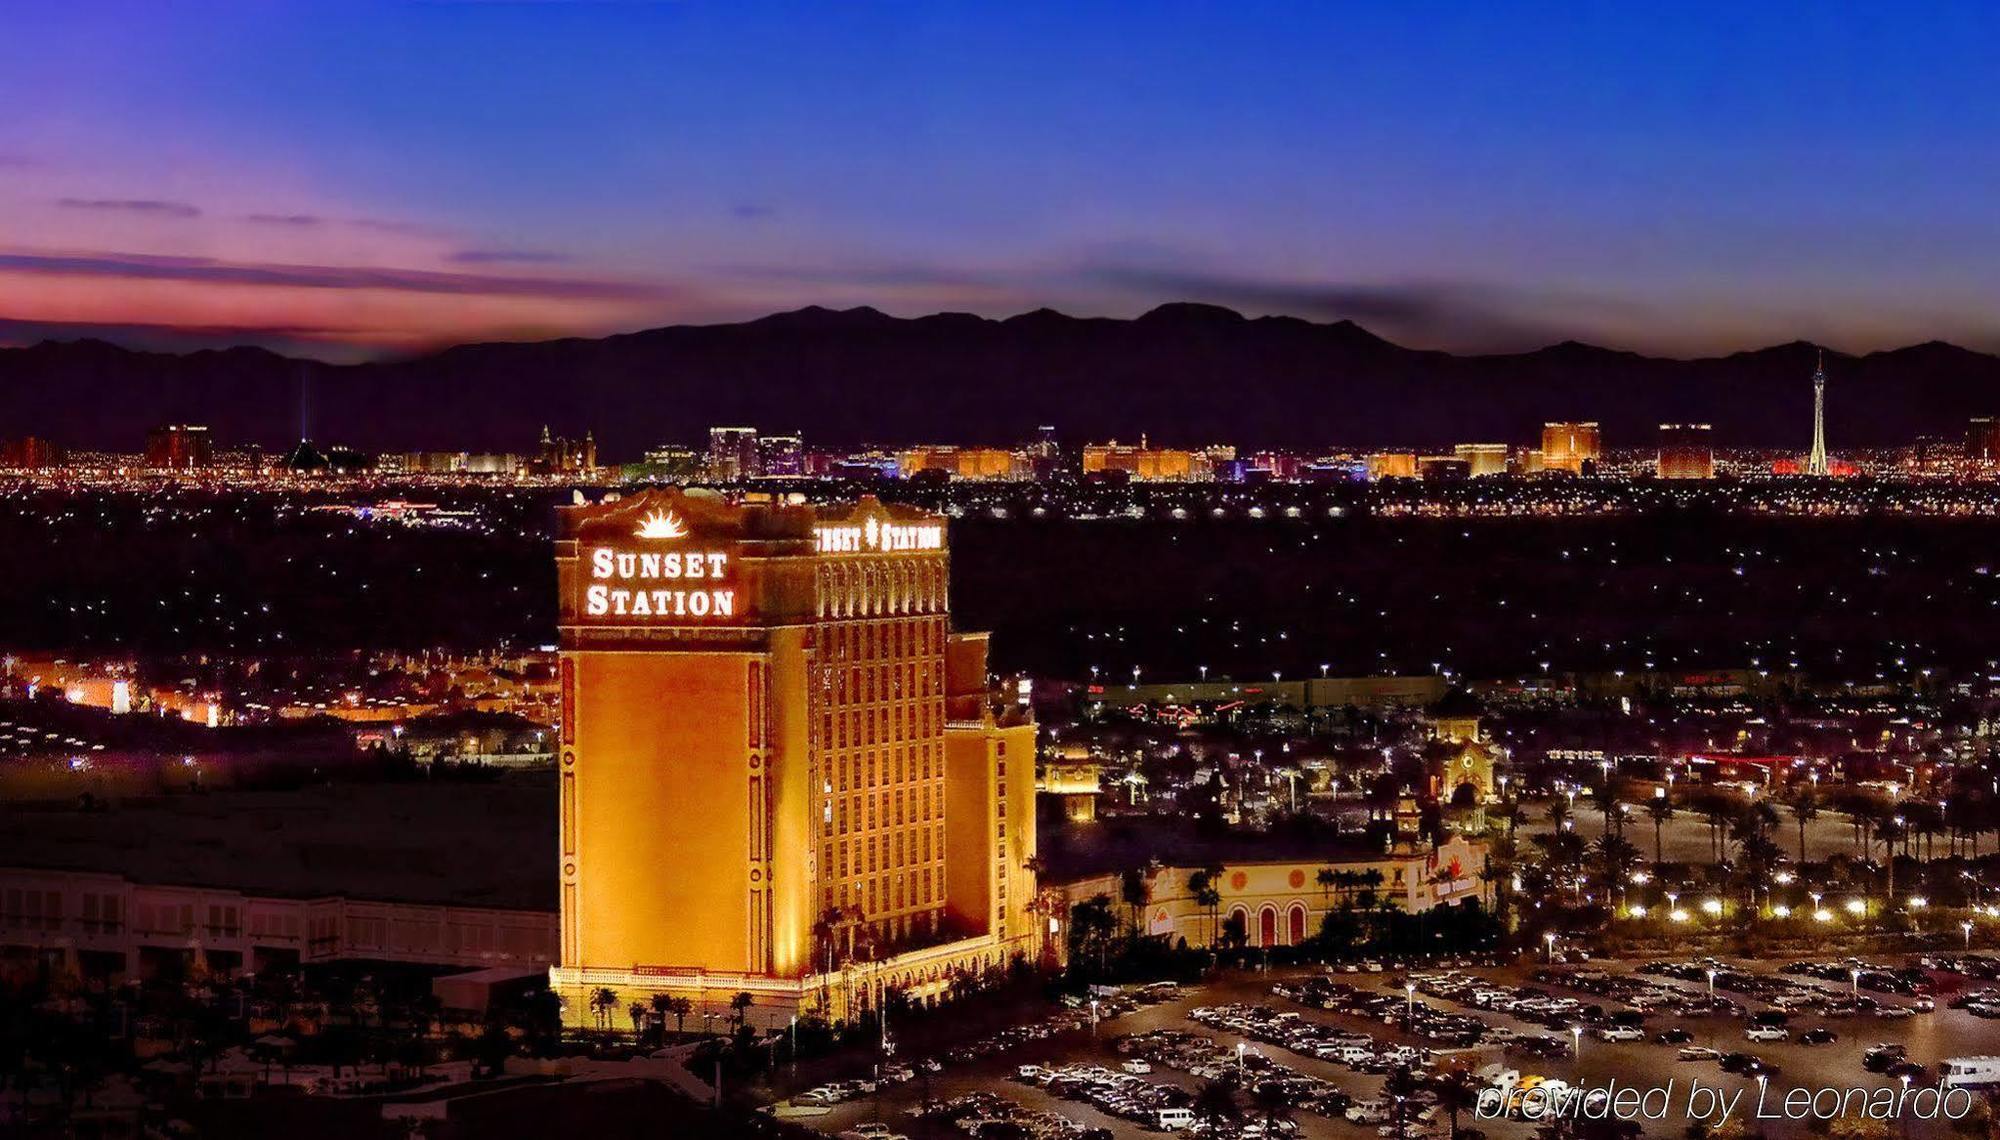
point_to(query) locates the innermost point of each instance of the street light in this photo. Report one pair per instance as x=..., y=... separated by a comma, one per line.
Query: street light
x=1576, y=1040
x=1711, y=984
x=1967, y=927
x=1549, y=942
x=1854, y=982
x=1410, y=999
x=1239, y=1062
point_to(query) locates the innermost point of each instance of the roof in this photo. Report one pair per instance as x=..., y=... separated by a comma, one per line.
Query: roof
x=479, y=844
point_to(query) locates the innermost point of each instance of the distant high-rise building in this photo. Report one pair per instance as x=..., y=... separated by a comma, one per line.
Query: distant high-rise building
x=672, y=461
x=781, y=456
x=1392, y=465
x=561, y=455
x=1483, y=458
x=1687, y=451
x=1045, y=445
x=1982, y=440
x=1443, y=469
x=30, y=453
x=1816, y=459
x=1568, y=446
x=1144, y=462
x=178, y=447
x=963, y=462
x=732, y=453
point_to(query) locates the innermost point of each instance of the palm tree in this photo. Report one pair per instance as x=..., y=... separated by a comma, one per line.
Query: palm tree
x=1887, y=832
x=1204, y=885
x=1614, y=855
x=637, y=1013
x=1274, y=1102
x=1091, y=926
x=1457, y=1091
x=1216, y=1102
x=739, y=1006
x=1757, y=856
x=603, y=1000
x=1661, y=808
x=1326, y=878
x=1400, y=1085
x=1133, y=892
x=1804, y=803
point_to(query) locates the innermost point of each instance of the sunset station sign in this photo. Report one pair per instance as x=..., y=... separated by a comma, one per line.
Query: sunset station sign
x=648, y=583
x=875, y=537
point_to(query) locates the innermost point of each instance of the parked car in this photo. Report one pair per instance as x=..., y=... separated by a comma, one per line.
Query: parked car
x=1699, y=1053
x=1878, y=1058
x=1747, y=1065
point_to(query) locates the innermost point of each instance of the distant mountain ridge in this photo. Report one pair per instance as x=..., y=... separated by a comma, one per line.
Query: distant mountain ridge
x=1180, y=373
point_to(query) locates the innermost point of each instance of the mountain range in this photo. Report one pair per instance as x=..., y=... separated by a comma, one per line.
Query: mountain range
x=1181, y=373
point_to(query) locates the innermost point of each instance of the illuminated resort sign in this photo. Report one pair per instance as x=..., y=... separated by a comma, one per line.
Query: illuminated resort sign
x=872, y=536
x=656, y=583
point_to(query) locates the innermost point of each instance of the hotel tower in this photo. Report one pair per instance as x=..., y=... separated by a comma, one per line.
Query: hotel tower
x=781, y=771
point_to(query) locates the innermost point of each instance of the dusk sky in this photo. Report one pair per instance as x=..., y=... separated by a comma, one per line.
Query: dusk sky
x=349, y=177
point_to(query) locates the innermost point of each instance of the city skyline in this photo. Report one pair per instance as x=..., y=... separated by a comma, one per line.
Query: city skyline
x=1685, y=183
x=1184, y=374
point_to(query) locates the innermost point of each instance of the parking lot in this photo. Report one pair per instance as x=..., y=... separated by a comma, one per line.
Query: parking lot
x=1329, y=1042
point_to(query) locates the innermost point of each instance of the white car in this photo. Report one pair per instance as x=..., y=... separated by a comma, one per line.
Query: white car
x=1137, y=1066
x=1620, y=1033
x=1766, y=1033
x=1700, y=1053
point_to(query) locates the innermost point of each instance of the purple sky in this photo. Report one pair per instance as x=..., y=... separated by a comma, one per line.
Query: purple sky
x=348, y=177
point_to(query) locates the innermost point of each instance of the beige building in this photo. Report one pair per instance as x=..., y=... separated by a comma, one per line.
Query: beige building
x=1146, y=463
x=1281, y=902
x=964, y=462
x=108, y=926
x=780, y=771
x=1392, y=465
x=1482, y=458
x=1568, y=446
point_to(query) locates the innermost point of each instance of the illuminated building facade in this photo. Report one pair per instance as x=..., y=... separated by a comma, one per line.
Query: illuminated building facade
x=1392, y=465
x=781, y=456
x=30, y=453
x=178, y=447
x=732, y=452
x=964, y=462
x=780, y=770
x=1145, y=463
x=1982, y=440
x=1482, y=458
x=1443, y=468
x=1278, y=902
x=1687, y=451
x=563, y=456
x=1568, y=446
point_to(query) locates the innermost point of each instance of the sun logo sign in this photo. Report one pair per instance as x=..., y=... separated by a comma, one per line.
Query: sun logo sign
x=662, y=524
